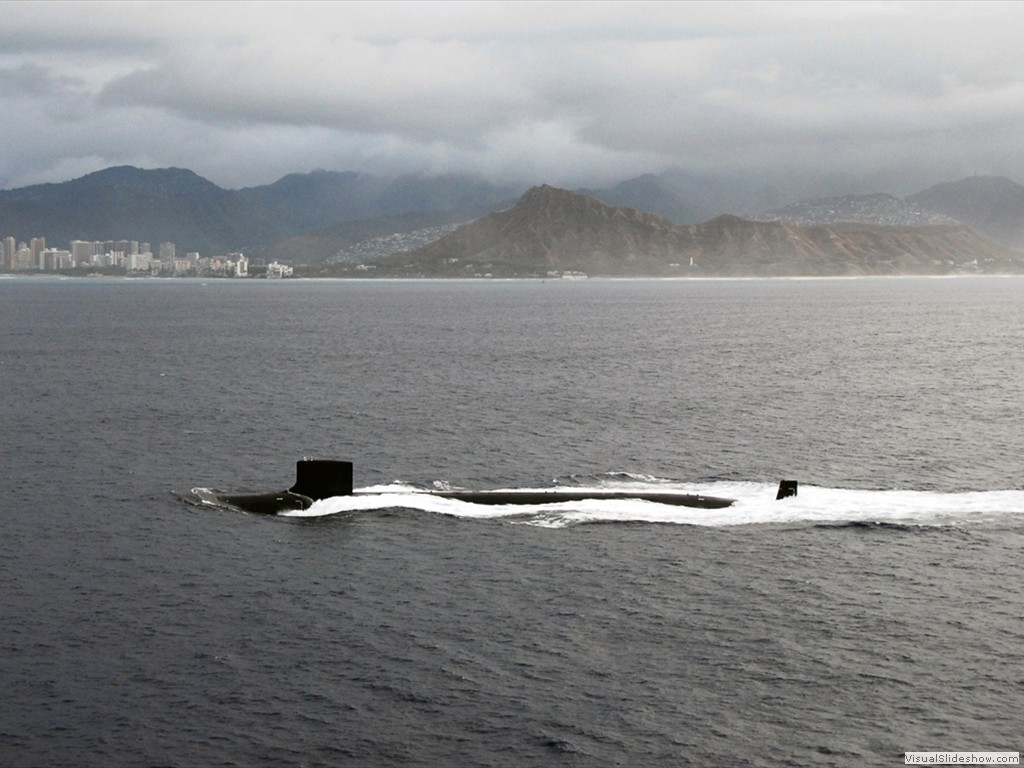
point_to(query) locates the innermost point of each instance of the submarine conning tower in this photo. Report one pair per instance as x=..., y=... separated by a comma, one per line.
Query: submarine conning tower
x=322, y=478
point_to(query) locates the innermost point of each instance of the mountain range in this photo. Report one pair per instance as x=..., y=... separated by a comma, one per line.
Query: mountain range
x=325, y=216
x=177, y=205
x=992, y=205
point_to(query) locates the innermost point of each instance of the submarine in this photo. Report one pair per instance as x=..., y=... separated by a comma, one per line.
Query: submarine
x=317, y=479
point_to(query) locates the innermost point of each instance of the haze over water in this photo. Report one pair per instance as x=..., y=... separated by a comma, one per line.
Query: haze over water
x=876, y=613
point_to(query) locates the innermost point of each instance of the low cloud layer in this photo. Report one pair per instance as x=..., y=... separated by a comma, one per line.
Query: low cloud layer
x=901, y=94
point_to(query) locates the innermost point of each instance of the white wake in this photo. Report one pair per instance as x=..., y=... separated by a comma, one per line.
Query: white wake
x=755, y=504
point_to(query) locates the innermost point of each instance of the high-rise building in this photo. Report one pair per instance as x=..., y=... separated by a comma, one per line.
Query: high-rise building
x=23, y=258
x=166, y=252
x=83, y=250
x=138, y=262
x=37, y=246
x=55, y=259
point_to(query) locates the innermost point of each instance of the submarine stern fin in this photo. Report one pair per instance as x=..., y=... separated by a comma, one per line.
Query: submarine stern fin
x=787, y=488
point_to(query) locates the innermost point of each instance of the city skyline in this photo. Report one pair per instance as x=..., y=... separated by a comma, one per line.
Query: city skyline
x=132, y=256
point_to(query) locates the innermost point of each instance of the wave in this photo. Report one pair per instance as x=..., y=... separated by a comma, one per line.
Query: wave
x=755, y=504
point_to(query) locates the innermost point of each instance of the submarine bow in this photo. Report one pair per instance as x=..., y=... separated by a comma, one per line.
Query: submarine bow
x=315, y=479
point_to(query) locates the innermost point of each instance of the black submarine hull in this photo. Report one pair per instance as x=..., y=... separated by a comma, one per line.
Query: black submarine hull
x=555, y=497
x=323, y=479
x=314, y=479
x=265, y=503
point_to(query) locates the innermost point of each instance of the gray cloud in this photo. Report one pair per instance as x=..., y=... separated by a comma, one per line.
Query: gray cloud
x=561, y=92
x=34, y=81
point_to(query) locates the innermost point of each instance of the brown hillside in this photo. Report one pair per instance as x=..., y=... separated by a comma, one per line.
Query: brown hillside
x=553, y=230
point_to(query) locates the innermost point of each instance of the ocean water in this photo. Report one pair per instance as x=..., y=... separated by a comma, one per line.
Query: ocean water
x=878, y=612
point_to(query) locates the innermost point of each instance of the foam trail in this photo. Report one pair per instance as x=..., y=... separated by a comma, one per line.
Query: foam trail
x=755, y=504
x=392, y=496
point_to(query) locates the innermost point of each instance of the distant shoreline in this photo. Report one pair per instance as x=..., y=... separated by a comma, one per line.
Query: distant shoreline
x=51, y=277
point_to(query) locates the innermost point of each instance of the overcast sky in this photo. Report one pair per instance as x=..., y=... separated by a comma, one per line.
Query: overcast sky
x=906, y=94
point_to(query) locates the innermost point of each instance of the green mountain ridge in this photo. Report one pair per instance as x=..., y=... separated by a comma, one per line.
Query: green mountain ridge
x=177, y=205
x=991, y=204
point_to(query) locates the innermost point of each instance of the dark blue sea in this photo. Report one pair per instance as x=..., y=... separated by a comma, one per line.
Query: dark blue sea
x=879, y=611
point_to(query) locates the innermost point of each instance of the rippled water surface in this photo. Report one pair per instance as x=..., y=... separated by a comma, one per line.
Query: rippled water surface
x=877, y=612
